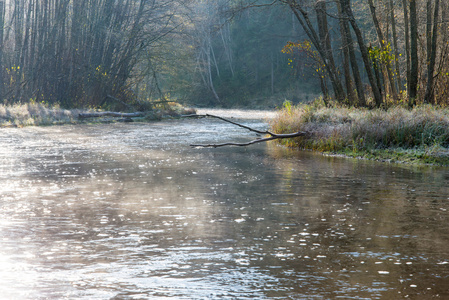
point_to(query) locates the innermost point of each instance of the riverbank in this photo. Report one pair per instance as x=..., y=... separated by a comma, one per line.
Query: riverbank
x=418, y=136
x=21, y=115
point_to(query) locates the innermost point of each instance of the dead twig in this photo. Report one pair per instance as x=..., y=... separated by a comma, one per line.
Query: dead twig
x=272, y=136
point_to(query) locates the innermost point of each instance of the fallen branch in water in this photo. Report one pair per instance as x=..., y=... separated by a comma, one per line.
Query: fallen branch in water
x=272, y=136
x=110, y=114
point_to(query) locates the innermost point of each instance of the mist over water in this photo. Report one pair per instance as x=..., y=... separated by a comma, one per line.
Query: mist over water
x=130, y=211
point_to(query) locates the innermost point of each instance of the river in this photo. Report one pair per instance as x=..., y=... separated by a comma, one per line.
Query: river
x=131, y=211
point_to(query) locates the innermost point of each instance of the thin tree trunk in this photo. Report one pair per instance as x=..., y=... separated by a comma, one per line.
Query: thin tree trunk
x=324, y=90
x=346, y=6
x=306, y=24
x=346, y=67
x=395, y=45
x=407, y=47
x=211, y=47
x=226, y=39
x=272, y=74
x=377, y=73
x=17, y=47
x=2, y=25
x=413, y=53
x=210, y=79
x=429, y=96
x=323, y=31
x=382, y=42
x=428, y=41
x=26, y=39
x=348, y=50
x=428, y=29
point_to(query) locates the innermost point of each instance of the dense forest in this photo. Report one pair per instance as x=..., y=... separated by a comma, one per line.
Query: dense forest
x=101, y=53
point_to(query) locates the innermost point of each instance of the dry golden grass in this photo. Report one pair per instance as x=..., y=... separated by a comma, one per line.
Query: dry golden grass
x=340, y=129
x=19, y=115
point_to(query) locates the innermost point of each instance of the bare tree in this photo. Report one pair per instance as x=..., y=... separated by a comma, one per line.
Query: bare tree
x=395, y=44
x=348, y=49
x=346, y=8
x=206, y=21
x=383, y=45
x=77, y=52
x=302, y=15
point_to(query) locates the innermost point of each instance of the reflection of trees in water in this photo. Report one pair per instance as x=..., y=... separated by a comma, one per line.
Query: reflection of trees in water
x=365, y=218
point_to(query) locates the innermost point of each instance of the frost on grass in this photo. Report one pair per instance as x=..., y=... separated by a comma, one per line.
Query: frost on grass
x=35, y=114
x=422, y=132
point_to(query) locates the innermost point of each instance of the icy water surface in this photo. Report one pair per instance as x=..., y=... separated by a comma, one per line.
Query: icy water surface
x=130, y=211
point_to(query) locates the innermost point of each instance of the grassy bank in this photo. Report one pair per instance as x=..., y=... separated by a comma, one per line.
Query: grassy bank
x=420, y=135
x=21, y=115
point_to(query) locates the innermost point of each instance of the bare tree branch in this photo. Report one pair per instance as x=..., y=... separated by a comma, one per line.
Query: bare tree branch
x=240, y=125
x=272, y=136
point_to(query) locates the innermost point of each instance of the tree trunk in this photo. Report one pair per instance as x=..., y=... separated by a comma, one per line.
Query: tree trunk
x=377, y=73
x=413, y=82
x=225, y=33
x=407, y=48
x=383, y=42
x=18, y=47
x=429, y=96
x=323, y=31
x=346, y=6
x=395, y=45
x=272, y=74
x=346, y=67
x=348, y=50
x=306, y=24
x=2, y=25
x=324, y=90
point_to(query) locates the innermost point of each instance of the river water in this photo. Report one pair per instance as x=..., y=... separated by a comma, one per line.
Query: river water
x=130, y=211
